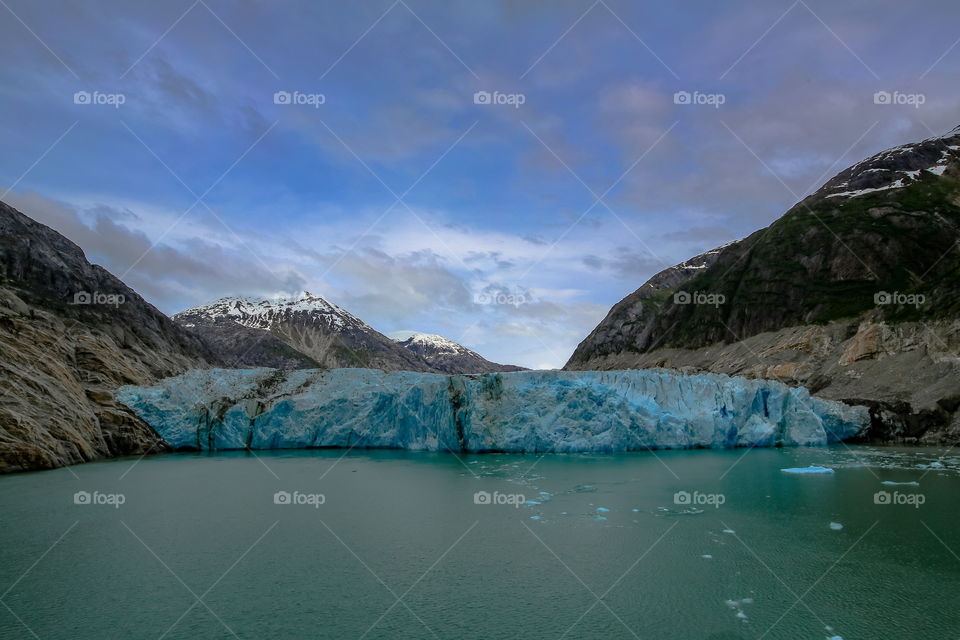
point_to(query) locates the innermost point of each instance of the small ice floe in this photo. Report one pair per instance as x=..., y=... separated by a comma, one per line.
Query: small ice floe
x=894, y=484
x=635, y=510
x=836, y=526
x=686, y=511
x=812, y=469
x=534, y=517
x=602, y=509
x=738, y=606
x=600, y=518
x=707, y=556
x=530, y=502
x=730, y=531
x=936, y=465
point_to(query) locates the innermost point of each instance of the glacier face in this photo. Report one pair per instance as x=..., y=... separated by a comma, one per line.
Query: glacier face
x=526, y=411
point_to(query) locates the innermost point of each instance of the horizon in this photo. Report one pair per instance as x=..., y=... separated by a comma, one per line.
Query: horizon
x=504, y=197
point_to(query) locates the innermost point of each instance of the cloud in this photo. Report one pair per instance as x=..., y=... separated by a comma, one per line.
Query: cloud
x=168, y=276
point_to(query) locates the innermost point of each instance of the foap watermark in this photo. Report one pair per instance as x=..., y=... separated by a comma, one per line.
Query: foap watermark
x=299, y=498
x=101, y=499
x=96, y=297
x=699, y=98
x=898, y=298
x=699, y=297
x=513, y=298
x=114, y=100
x=511, y=499
x=698, y=499
x=298, y=97
x=496, y=97
x=898, y=98
x=899, y=499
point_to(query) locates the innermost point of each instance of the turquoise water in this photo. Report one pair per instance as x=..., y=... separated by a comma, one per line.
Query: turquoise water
x=385, y=544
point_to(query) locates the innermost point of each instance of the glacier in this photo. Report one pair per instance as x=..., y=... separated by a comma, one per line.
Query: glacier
x=525, y=411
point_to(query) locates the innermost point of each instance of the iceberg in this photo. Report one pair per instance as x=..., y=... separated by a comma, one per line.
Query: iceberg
x=814, y=469
x=526, y=411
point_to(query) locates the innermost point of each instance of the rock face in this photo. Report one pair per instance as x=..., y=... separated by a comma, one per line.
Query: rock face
x=70, y=334
x=853, y=293
x=529, y=411
x=308, y=332
x=446, y=356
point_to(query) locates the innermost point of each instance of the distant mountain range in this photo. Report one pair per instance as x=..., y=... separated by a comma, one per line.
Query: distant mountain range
x=853, y=293
x=308, y=332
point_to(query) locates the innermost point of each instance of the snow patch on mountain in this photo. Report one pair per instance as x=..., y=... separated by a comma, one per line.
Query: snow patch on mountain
x=896, y=167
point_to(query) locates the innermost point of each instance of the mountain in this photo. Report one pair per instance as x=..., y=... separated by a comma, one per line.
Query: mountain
x=854, y=292
x=70, y=334
x=446, y=356
x=301, y=332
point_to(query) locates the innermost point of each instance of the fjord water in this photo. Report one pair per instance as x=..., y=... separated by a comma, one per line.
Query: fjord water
x=400, y=548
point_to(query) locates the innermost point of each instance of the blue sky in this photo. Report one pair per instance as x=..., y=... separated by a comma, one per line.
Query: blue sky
x=510, y=228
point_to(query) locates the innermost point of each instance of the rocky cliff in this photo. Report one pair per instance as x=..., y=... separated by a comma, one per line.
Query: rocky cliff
x=70, y=334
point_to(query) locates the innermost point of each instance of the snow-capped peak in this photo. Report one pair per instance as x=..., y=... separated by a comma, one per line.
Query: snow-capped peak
x=432, y=341
x=261, y=312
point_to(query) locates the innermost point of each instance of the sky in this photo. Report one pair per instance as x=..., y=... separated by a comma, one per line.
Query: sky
x=500, y=173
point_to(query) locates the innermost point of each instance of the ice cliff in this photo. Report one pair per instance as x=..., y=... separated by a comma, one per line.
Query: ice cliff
x=527, y=411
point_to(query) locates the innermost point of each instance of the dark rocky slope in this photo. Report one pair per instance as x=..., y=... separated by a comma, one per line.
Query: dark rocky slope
x=854, y=292
x=60, y=362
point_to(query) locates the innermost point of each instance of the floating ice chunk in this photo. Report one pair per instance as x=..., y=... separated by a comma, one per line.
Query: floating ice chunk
x=836, y=526
x=811, y=469
x=534, y=517
x=936, y=465
x=530, y=502
x=738, y=605
x=912, y=483
x=635, y=510
x=602, y=509
x=600, y=518
x=729, y=531
x=707, y=556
